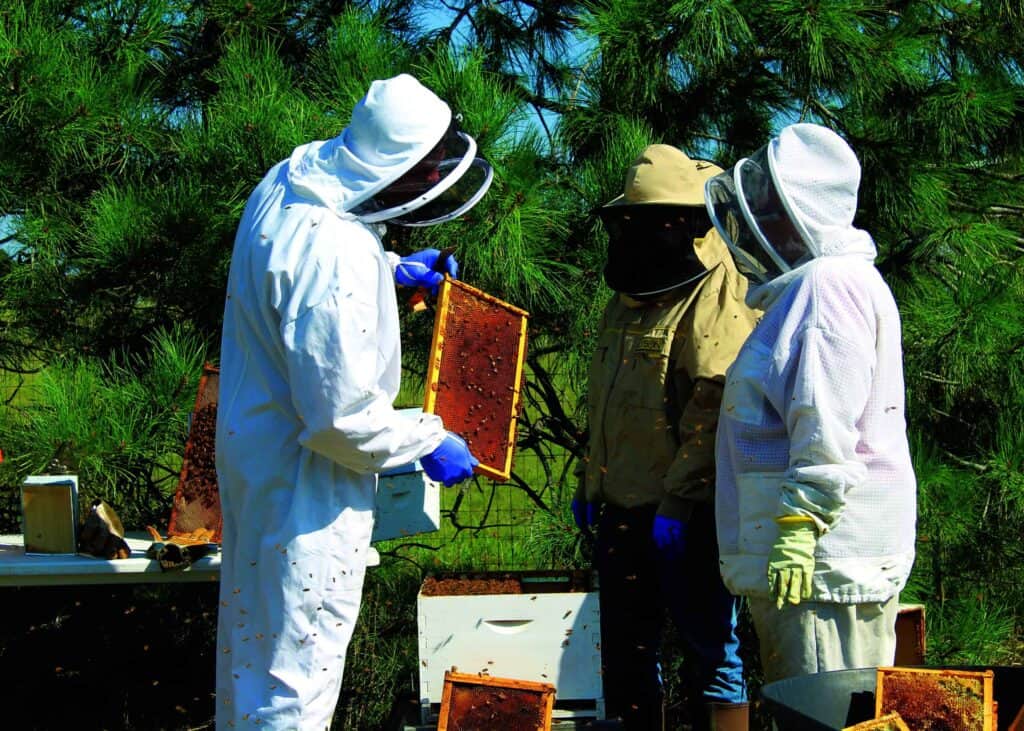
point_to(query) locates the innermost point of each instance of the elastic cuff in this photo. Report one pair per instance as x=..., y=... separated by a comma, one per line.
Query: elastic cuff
x=393, y=260
x=677, y=508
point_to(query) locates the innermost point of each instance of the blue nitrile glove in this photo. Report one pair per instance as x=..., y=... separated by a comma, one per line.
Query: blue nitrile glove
x=451, y=462
x=422, y=269
x=669, y=536
x=584, y=513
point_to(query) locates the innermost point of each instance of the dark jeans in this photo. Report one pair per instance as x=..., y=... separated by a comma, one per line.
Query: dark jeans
x=637, y=586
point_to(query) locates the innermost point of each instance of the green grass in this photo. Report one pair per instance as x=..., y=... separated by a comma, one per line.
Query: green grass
x=491, y=526
x=17, y=389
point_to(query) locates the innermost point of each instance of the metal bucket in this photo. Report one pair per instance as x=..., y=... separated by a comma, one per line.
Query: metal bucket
x=832, y=701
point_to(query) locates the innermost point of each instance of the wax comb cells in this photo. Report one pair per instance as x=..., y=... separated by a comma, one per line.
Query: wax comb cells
x=475, y=372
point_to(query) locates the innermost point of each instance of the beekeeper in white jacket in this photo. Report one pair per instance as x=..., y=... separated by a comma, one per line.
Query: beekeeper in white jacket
x=310, y=364
x=816, y=496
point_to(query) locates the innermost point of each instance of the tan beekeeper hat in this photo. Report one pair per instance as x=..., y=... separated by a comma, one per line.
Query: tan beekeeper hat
x=664, y=175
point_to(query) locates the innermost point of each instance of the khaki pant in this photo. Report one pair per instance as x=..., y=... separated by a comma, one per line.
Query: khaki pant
x=814, y=637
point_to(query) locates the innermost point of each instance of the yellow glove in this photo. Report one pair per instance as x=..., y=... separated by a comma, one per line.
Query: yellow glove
x=791, y=561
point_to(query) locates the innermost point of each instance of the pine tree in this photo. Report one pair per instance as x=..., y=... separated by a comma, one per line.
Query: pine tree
x=930, y=97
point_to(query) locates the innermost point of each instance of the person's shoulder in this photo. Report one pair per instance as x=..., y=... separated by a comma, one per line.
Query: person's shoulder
x=839, y=274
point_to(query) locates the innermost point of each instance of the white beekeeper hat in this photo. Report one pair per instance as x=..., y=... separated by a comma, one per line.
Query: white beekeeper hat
x=792, y=200
x=401, y=153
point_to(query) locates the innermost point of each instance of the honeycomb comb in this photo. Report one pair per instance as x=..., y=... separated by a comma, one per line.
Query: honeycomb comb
x=475, y=371
x=197, y=499
x=952, y=700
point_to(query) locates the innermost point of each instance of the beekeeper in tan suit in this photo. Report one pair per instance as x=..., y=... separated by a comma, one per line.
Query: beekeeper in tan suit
x=667, y=336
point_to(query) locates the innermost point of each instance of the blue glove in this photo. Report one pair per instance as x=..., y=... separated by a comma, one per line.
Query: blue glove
x=451, y=462
x=669, y=536
x=422, y=269
x=584, y=513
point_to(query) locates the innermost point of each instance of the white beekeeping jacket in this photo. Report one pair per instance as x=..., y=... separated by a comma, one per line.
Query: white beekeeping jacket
x=310, y=366
x=812, y=420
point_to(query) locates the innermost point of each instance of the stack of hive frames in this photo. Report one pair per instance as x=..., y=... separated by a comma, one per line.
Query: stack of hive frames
x=474, y=702
x=197, y=499
x=951, y=700
x=475, y=372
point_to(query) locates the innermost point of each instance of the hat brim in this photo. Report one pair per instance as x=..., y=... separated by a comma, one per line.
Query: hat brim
x=622, y=201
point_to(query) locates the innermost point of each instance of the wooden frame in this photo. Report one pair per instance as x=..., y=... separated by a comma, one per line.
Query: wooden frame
x=1017, y=724
x=911, y=641
x=888, y=722
x=453, y=714
x=977, y=683
x=441, y=374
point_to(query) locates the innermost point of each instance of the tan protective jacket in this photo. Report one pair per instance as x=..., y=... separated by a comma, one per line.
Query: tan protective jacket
x=655, y=389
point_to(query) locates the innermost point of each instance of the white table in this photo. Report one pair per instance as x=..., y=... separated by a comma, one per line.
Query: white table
x=19, y=569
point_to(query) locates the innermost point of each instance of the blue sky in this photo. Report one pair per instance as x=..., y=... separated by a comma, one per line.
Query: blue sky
x=6, y=229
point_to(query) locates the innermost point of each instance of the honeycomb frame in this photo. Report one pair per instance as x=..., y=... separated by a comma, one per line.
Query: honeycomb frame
x=939, y=694
x=474, y=375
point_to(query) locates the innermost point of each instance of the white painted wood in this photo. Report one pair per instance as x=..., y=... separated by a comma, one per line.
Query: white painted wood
x=545, y=637
x=408, y=503
x=20, y=569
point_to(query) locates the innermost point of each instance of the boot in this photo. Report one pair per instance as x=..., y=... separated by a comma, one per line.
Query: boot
x=729, y=716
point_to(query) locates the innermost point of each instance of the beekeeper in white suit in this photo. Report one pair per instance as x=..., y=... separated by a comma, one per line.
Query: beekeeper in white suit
x=310, y=364
x=816, y=496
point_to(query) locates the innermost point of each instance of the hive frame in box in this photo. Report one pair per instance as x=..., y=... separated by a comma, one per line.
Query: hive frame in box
x=978, y=683
x=452, y=373
x=543, y=694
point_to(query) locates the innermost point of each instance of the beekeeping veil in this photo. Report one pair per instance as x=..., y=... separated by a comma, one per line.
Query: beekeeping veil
x=791, y=201
x=402, y=159
x=652, y=226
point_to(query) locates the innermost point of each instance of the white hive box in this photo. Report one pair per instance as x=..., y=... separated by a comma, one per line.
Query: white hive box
x=548, y=632
x=408, y=502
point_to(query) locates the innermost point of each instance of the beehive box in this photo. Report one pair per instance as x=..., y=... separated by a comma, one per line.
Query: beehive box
x=950, y=700
x=49, y=514
x=477, y=702
x=538, y=626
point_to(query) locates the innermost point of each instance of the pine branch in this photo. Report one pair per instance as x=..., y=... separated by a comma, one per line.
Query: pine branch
x=530, y=492
x=979, y=468
x=461, y=13
x=936, y=378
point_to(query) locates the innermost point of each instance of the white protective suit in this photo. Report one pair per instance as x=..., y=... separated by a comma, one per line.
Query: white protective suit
x=812, y=419
x=310, y=366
